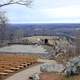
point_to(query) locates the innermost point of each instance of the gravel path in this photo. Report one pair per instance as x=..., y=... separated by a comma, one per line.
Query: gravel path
x=24, y=75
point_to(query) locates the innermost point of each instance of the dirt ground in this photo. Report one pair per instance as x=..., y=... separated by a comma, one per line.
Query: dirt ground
x=53, y=76
x=50, y=76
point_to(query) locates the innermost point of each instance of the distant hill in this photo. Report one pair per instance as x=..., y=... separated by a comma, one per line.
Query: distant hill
x=46, y=26
x=44, y=29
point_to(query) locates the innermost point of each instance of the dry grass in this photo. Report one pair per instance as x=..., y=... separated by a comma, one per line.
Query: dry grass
x=55, y=76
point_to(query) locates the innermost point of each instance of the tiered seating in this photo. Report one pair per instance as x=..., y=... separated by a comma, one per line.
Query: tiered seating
x=10, y=63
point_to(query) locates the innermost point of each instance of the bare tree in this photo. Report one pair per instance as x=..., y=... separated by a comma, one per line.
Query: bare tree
x=78, y=42
x=3, y=18
x=3, y=21
x=18, y=35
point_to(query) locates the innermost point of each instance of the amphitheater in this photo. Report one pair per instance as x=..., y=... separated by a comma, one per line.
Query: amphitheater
x=17, y=61
x=15, y=58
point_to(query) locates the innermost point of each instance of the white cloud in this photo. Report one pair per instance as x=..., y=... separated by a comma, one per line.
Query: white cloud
x=45, y=11
x=62, y=12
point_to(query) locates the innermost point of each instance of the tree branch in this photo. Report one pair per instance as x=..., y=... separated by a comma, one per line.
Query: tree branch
x=26, y=3
x=1, y=5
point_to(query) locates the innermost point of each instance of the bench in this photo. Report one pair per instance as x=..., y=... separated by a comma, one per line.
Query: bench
x=9, y=71
x=21, y=67
x=14, y=68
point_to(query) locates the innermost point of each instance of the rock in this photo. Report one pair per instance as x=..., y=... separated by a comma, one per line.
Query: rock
x=75, y=60
x=52, y=67
x=73, y=67
x=67, y=72
x=71, y=71
x=35, y=76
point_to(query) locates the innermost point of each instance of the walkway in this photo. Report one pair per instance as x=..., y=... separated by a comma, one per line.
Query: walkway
x=24, y=75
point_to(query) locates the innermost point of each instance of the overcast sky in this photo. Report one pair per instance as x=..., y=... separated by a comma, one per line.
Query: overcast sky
x=45, y=11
